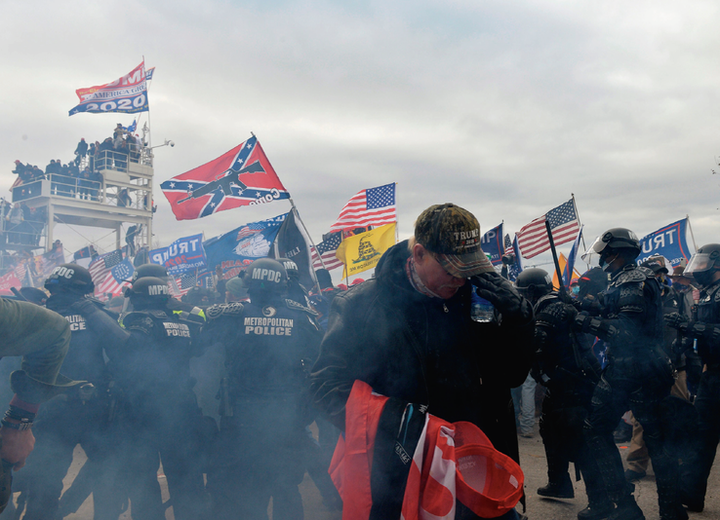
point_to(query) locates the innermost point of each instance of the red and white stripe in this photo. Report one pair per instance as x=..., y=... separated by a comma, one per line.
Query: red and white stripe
x=103, y=279
x=533, y=238
x=328, y=257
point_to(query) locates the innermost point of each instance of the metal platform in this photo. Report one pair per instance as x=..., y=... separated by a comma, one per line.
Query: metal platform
x=123, y=194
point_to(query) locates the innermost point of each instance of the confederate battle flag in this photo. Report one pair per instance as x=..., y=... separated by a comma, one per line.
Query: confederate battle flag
x=241, y=177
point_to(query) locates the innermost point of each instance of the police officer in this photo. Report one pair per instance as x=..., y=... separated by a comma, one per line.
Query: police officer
x=295, y=290
x=268, y=342
x=160, y=412
x=703, y=326
x=568, y=369
x=318, y=453
x=638, y=375
x=79, y=417
x=158, y=271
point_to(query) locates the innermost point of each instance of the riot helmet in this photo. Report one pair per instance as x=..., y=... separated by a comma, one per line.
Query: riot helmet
x=148, y=291
x=266, y=277
x=70, y=278
x=156, y=270
x=614, y=242
x=534, y=283
x=291, y=268
x=704, y=263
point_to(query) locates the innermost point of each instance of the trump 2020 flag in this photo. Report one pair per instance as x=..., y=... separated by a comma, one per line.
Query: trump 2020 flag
x=492, y=244
x=127, y=94
x=362, y=252
x=668, y=241
x=241, y=177
x=183, y=255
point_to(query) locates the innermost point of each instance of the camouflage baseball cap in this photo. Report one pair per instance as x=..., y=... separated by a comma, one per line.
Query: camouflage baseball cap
x=453, y=234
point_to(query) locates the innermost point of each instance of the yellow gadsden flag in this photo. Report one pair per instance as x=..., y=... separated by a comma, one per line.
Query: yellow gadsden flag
x=362, y=252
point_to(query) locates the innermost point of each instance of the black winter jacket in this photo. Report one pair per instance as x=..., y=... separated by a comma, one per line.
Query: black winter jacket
x=423, y=350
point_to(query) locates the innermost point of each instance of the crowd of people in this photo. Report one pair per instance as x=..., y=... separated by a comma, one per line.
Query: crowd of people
x=223, y=393
x=80, y=177
x=21, y=224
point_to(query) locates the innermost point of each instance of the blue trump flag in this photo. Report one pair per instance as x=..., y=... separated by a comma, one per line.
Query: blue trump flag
x=183, y=255
x=492, y=244
x=235, y=250
x=669, y=241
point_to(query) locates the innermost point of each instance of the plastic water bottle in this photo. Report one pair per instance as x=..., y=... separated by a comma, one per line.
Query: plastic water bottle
x=482, y=311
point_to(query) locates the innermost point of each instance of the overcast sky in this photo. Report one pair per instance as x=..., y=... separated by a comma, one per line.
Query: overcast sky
x=505, y=108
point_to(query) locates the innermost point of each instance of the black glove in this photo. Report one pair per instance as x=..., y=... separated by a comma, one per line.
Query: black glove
x=593, y=325
x=501, y=293
x=581, y=322
x=591, y=304
x=675, y=320
x=569, y=313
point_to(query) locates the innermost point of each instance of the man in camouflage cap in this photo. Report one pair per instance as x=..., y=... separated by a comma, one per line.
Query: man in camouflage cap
x=408, y=333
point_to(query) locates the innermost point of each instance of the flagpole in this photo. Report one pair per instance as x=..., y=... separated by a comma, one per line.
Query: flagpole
x=296, y=213
x=397, y=220
x=582, y=237
x=578, y=219
x=691, y=231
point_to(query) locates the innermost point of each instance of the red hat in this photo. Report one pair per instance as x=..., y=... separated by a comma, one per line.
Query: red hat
x=17, y=161
x=488, y=482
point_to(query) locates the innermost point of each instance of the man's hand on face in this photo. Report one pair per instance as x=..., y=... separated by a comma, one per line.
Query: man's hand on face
x=501, y=293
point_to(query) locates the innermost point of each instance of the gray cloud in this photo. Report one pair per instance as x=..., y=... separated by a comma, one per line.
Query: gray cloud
x=506, y=109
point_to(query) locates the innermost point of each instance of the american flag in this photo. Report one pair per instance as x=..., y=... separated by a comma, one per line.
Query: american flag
x=108, y=273
x=564, y=225
x=327, y=249
x=370, y=207
x=182, y=284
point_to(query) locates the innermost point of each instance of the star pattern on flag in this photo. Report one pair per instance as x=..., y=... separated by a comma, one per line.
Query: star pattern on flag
x=562, y=214
x=112, y=259
x=331, y=244
x=380, y=197
x=122, y=271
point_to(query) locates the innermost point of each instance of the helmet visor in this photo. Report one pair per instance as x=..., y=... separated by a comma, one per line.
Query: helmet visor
x=699, y=262
x=592, y=255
